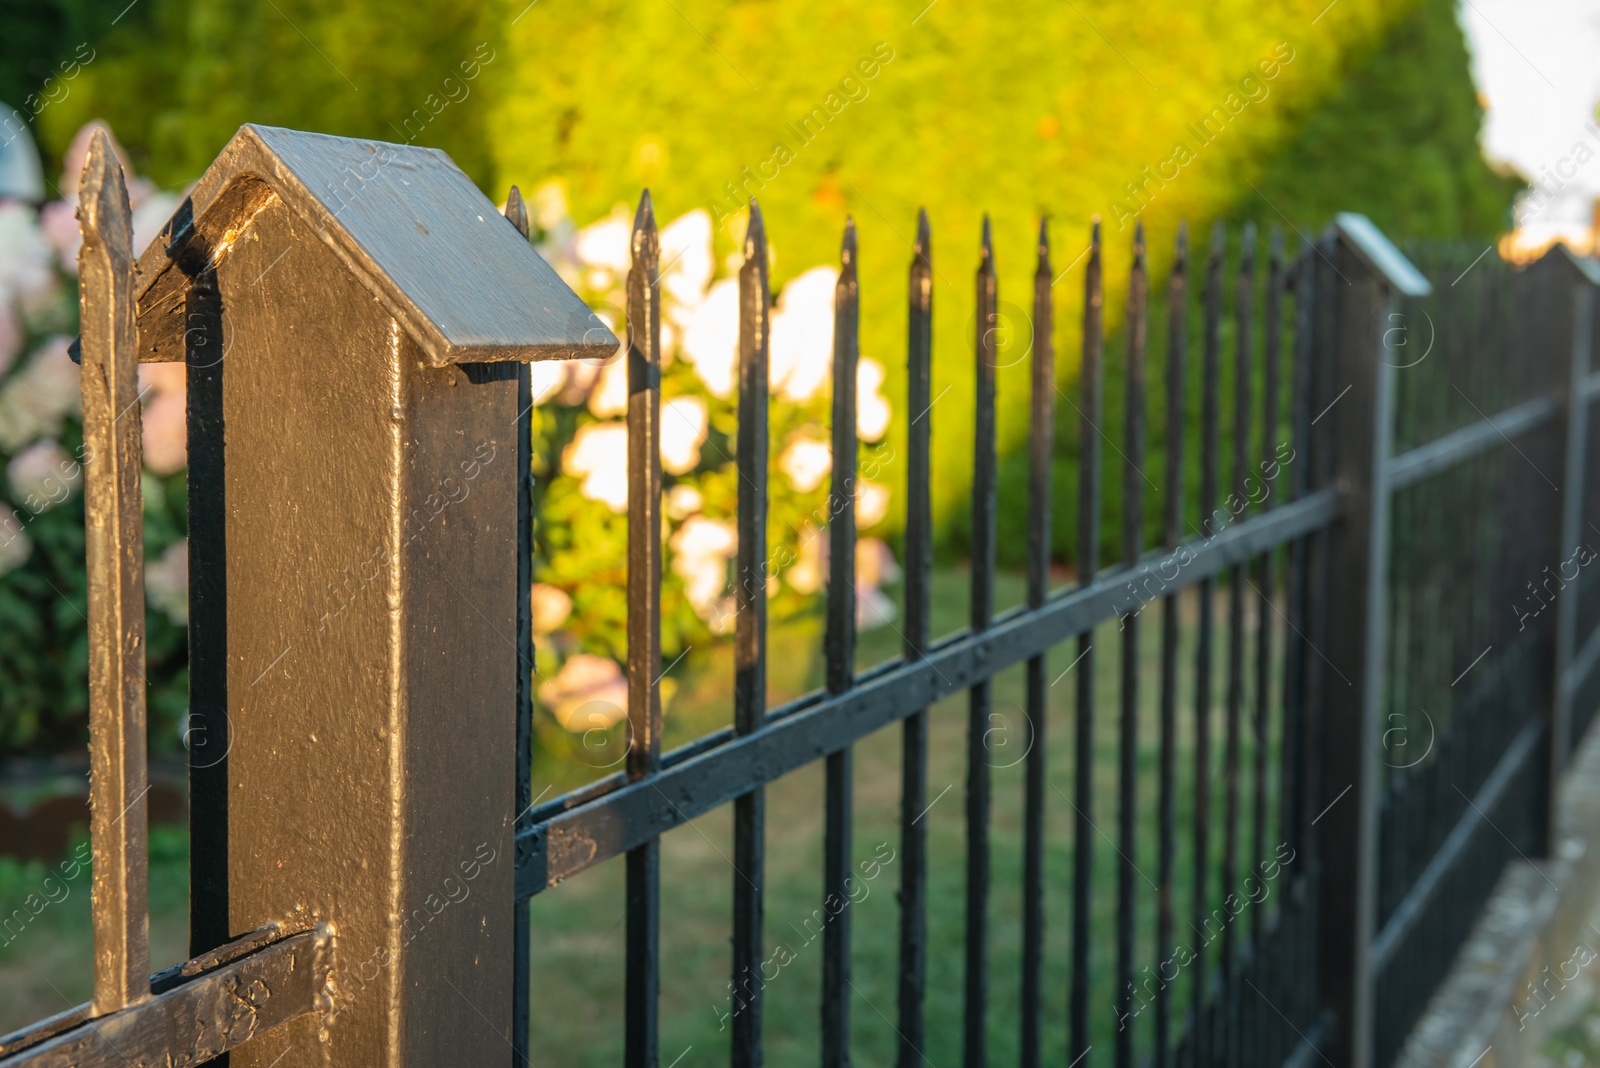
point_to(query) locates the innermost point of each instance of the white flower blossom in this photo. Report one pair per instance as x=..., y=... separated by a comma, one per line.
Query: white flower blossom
x=606, y=244
x=34, y=400
x=683, y=501
x=686, y=263
x=683, y=430
x=551, y=606
x=872, y=503
x=807, y=573
x=548, y=377
x=588, y=693
x=806, y=462
x=14, y=544
x=802, y=334
x=43, y=475
x=599, y=453
x=610, y=396
x=166, y=582
x=701, y=550
x=711, y=340
x=872, y=410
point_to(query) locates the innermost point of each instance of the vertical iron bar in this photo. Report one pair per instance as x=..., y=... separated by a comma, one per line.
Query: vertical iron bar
x=644, y=627
x=1128, y=741
x=1209, y=428
x=1265, y=564
x=979, y=697
x=1242, y=311
x=1296, y=733
x=114, y=553
x=1041, y=444
x=1088, y=562
x=521, y=978
x=840, y=642
x=1172, y=523
x=750, y=671
x=919, y=568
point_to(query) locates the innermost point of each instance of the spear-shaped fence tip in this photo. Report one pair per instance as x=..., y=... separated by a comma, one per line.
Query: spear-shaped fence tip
x=1219, y=239
x=1180, y=259
x=755, y=235
x=986, y=253
x=517, y=211
x=1094, y=230
x=646, y=245
x=103, y=198
x=1247, y=243
x=1044, y=246
x=645, y=217
x=1138, y=243
x=847, y=247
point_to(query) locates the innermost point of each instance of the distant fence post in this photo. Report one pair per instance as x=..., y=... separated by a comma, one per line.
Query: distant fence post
x=354, y=414
x=1557, y=302
x=1368, y=273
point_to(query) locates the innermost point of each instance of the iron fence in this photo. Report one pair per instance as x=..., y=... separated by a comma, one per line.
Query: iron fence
x=1372, y=717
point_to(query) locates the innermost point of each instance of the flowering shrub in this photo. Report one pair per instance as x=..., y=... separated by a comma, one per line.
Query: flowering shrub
x=43, y=632
x=580, y=450
x=579, y=598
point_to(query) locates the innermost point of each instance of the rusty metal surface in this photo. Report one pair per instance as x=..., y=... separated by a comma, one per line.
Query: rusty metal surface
x=114, y=551
x=401, y=219
x=205, y=1007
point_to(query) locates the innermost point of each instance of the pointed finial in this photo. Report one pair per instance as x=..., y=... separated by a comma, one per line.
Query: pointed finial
x=517, y=211
x=645, y=217
x=1044, y=246
x=1094, y=231
x=755, y=235
x=986, y=253
x=1275, y=243
x=645, y=242
x=1219, y=240
x=847, y=247
x=1138, y=244
x=1247, y=247
x=924, y=245
x=1180, y=258
x=103, y=199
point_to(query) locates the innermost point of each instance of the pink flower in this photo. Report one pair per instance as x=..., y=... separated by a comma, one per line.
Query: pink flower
x=58, y=221
x=166, y=582
x=42, y=476
x=165, y=442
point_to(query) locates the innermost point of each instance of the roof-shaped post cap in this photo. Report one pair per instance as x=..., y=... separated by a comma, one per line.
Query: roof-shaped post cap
x=405, y=221
x=1378, y=252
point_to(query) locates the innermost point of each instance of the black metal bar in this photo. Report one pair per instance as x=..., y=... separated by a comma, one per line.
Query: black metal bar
x=643, y=984
x=1128, y=732
x=1172, y=528
x=979, y=698
x=919, y=571
x=1243, y=316
x=1461, y=445
x=1041, y=445
x=750, y=654
x=1297, y=581
x=1266, y=563
x=1210, y=423
x=1453, y=851
x=521, y=948
x=1083, y=834
x=698, y=778
x=840, y=653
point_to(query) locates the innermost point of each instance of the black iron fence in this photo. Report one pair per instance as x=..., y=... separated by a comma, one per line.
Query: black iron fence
x=1377, y=641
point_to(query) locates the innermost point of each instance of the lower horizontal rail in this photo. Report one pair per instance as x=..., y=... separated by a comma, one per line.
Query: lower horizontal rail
x=1434, y=876
x=1463, y=444
x=563, y=841
x=200, y=1009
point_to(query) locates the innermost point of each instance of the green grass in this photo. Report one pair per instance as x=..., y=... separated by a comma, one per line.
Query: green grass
x=579, y=935
x=578, y=927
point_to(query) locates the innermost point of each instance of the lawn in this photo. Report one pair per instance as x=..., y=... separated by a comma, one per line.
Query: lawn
x=578, y=927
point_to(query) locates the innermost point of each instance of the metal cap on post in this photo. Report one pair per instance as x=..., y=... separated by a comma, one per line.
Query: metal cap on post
x=1369, y=273
x=350, y=313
